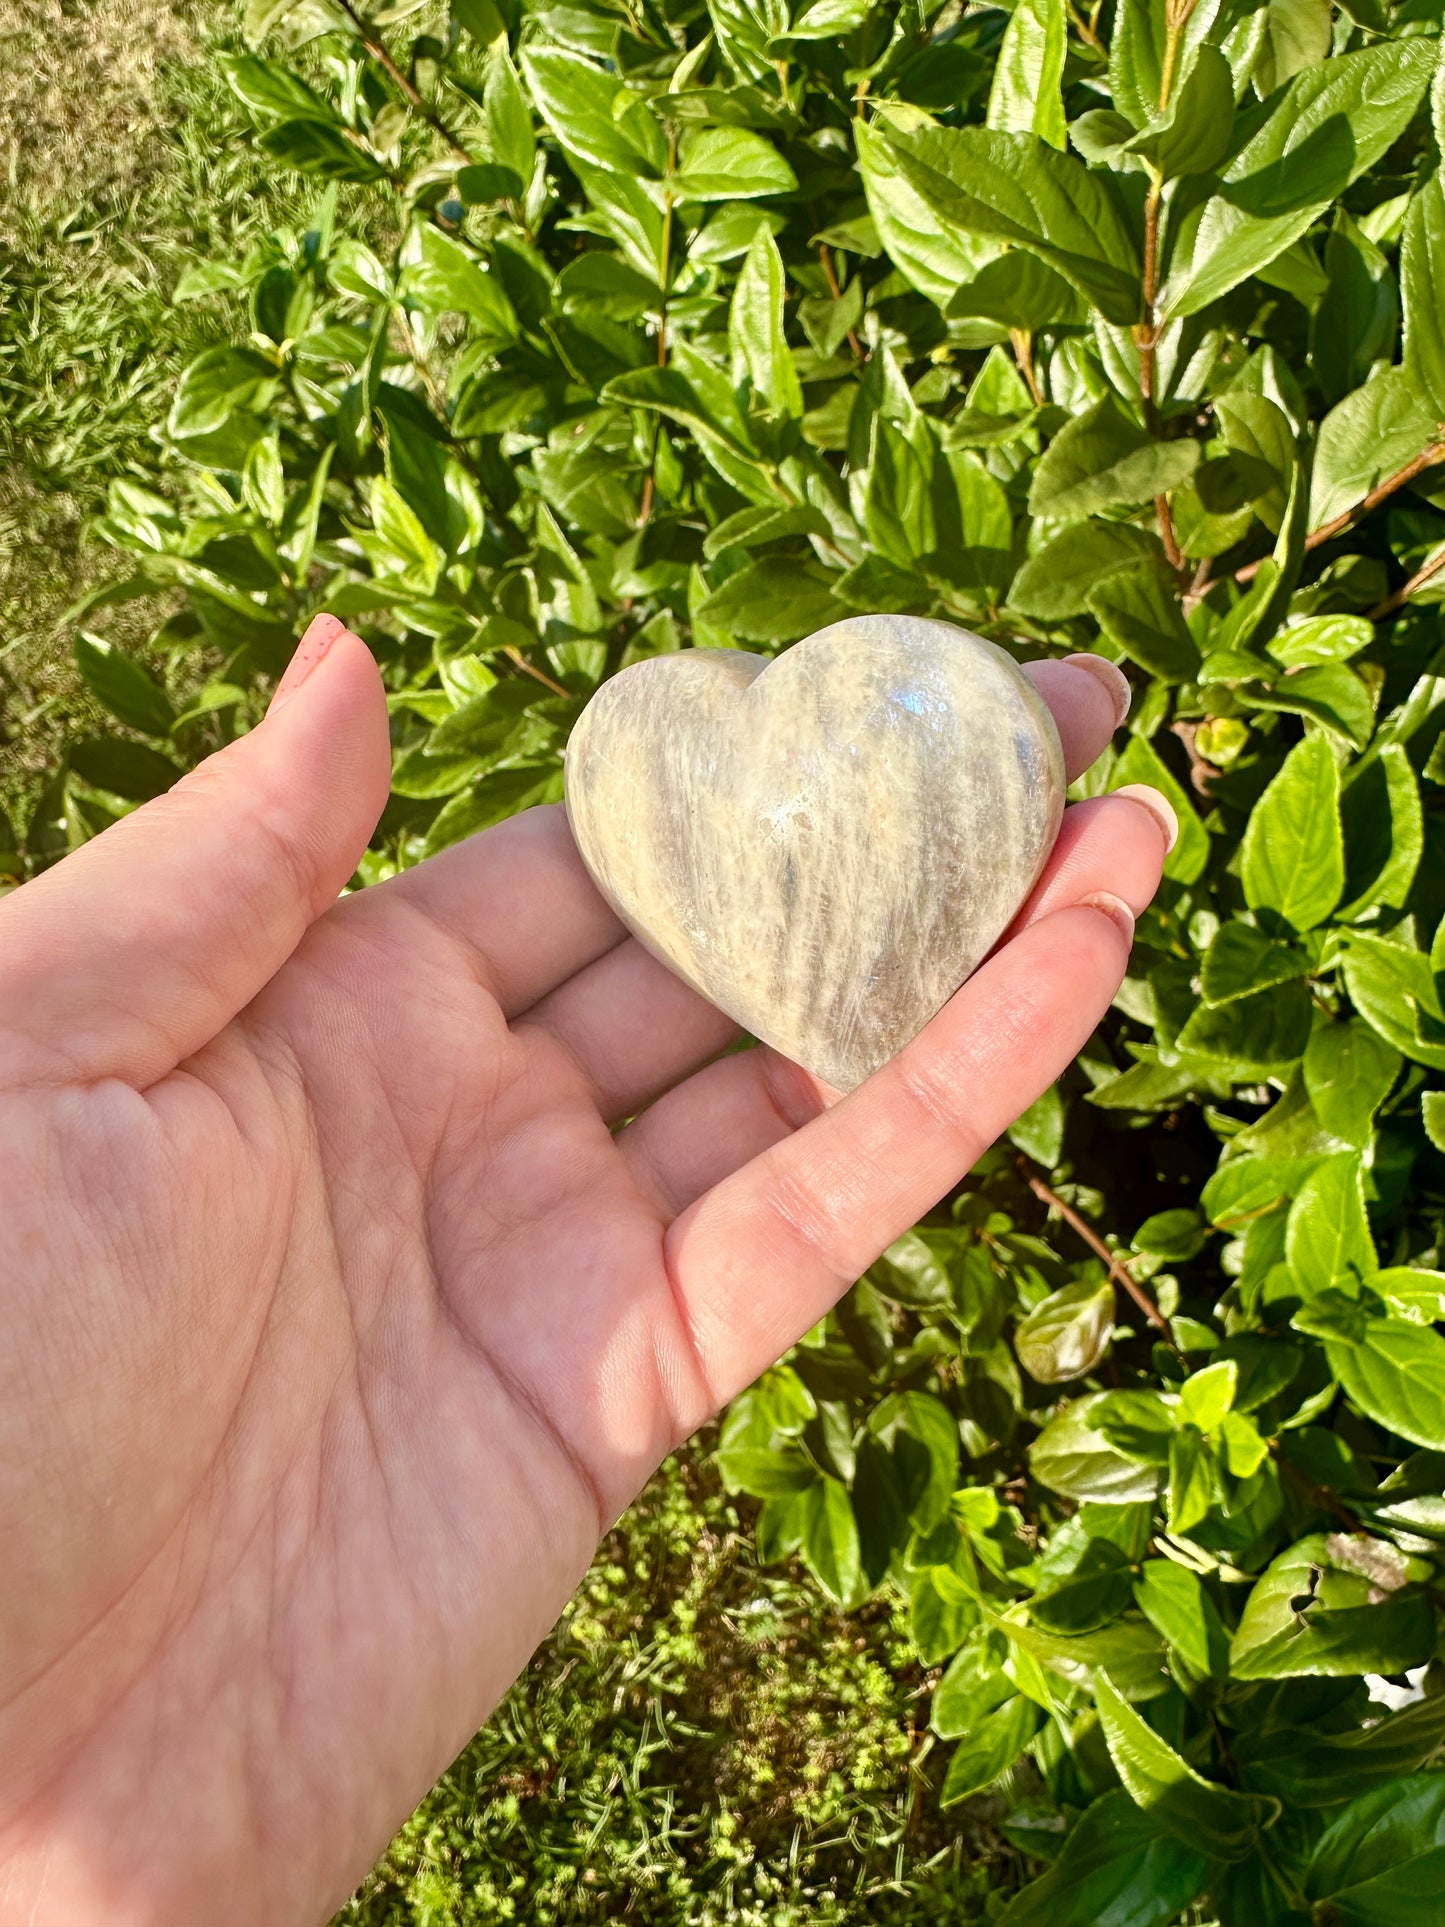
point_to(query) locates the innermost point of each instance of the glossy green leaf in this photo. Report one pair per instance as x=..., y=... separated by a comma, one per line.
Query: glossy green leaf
x=990, y=1749
x=1016, y=188
x=1119, y=1868
x=1216, y=1821
x=1292, y=863
x=1026, y=96
x=131, y=696
x=1066, y=1335
x=1320, y=133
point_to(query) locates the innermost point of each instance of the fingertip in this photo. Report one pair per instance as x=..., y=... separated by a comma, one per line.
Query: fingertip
x=1110, y=678
x=1158, y=806
x=1085, y=705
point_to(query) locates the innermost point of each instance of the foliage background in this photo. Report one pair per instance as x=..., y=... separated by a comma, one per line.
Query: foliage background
x=535, y=339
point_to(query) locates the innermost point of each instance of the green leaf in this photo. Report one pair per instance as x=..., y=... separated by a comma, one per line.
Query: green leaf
x=131, y=770
x=1067, y=1334
x=1072, y=1457
x=730, y=164
x=1212, y=1819
x=1332, y=1605
x=830, y=1539
x=123, y=686
x=937, y=260
x=991, y=1749
x=1101, y=458
x=270, y=89
x=1393, y=987
x=1321, y=639
x=1016, y=188
x=1384, y=828
x=1393, y=1369
x=1292, y=859
x=449, y=279
x=1357, y=318
x=1319, y=134
x=1328, y=1240
x=1432, y=1107
x=1039, y=1131
x=1298, y=34
x=594, y=114
x=1242, y=961
x=1057, y=581
x=1174, y=1601
x=1258, y=429
x=1198, y=129
x=510, y=137
x=1371, y=435
x=1141, y=763
x=1307, y=1768
x=1026, y=96
x=1378, y=1834
x=1138, y=48
x=321, y=148
x=1208, y=1395
x=1119, y=1868
x=773, y=600
x=756, y=333
x=1138, y=610
x=1193, y=1488
x=1348, y=1072
x=1422, y=268
x=218, y=384
x=974, y=1686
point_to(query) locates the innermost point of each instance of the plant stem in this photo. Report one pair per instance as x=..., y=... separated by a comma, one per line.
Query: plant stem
x=1380, y=493
x=1401, y=596
x=1146, y=337
x=664, y=270
x=514, y=655
x=1118, y=1270
x=1023, y=346
x=837, y=293
x=1087, y=31
x=369, y=39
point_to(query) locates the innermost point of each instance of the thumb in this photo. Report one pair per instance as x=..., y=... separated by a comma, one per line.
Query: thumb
x=132, y=953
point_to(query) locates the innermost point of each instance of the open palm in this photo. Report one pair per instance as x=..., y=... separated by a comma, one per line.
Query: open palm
x=340, y=1318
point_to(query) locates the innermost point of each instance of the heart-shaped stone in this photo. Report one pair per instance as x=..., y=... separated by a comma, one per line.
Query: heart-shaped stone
x=825, y=843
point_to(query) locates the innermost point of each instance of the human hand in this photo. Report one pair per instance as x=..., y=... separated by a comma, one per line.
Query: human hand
x=339, y=1322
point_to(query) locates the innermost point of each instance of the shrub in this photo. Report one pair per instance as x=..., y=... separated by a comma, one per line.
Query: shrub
x=708, y=326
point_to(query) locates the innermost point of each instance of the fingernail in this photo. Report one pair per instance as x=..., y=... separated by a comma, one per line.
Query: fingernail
x=1111, y=679
x=1115, y=909
x=321, y=632
x=1158, y=806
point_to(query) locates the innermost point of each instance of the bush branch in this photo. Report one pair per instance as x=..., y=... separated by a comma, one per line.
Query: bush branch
x=369, y=39
x=1117, y=1269
x=1329, y=530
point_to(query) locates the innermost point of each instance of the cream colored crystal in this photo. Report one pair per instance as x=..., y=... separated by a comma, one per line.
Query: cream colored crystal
x=827, y=843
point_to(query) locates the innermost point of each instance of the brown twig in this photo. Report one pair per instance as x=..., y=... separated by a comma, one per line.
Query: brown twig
x=837, y=293
x=514, y=655
x=1023, y=347
x=1118, y=1270
x=1087, y=32
x=1402, y=595
x=1329, y=530
x=1201, y=773
x=369, y=39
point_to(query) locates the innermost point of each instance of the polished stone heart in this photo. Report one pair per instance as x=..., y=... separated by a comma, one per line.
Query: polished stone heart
x=825, y=843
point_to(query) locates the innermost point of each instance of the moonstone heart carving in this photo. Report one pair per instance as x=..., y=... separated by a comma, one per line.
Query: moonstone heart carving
x=826, y=843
